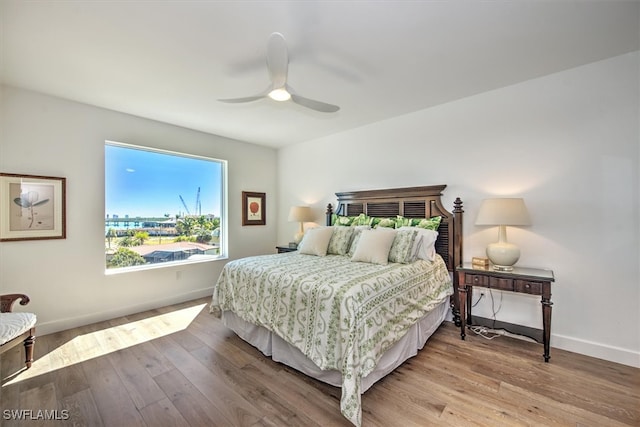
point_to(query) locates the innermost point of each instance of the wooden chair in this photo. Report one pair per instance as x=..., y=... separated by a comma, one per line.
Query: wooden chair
x=16, y=328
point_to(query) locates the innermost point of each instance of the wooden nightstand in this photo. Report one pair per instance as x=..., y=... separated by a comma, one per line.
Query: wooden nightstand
x=285, y=249
x=531, y=281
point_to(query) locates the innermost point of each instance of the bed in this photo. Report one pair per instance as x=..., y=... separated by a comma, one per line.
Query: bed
x=350, y=323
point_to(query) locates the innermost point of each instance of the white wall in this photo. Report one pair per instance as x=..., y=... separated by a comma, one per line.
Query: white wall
x=42, y=135
x=567, y=143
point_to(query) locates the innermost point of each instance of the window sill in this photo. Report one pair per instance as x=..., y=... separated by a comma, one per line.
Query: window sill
x=174, y=264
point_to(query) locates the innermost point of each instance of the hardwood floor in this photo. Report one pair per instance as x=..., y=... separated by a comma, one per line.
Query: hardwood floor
x=179, y=366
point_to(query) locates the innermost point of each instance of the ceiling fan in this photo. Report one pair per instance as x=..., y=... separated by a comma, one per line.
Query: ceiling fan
x=279, y=90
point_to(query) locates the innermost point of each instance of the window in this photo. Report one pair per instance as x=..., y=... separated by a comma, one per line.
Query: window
x=162, y=207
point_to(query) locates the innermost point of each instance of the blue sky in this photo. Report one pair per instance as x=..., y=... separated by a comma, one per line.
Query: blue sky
x=142, y=183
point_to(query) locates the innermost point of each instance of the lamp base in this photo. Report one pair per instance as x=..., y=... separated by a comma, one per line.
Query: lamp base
x=502, y=267
x=503, y=255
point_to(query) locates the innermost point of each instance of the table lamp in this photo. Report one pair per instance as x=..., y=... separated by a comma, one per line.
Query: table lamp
x=503, y=212
x=300, y=214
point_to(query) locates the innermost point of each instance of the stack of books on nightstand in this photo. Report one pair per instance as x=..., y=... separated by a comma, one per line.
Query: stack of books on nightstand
x=480, y=263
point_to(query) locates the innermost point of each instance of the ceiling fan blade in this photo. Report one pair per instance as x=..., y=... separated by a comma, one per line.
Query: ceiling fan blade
x=261, y=95
x=240, y=100
x=277, y=60
x=322, y=107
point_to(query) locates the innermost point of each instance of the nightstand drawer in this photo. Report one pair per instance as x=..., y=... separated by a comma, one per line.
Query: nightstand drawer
x=528, y=287
x=501, y=283
x=476, y=280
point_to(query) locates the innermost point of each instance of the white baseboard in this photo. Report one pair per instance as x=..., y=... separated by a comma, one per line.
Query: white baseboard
x=598, y=350
x=74, y=322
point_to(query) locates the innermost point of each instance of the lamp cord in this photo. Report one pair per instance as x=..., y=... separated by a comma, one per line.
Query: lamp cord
x=483, y=331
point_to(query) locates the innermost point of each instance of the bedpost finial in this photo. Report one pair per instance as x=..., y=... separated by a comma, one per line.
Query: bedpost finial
x=329, y=214
x=457, y=204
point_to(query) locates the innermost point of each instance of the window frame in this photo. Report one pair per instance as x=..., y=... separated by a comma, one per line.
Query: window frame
x=224, y=222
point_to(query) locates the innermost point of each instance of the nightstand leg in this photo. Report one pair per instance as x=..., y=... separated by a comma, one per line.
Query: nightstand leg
x=462, y=297
x=469, y=305
x=546, y=318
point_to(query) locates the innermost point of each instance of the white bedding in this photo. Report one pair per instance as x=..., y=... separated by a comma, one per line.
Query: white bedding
x=341, y=315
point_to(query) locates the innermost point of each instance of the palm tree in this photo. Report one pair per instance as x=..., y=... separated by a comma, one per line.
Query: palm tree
x=140, y=237
x=111, y=233
x=186, y=226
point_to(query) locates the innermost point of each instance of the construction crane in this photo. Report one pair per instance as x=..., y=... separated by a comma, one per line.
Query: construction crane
x=184, y=204
x=198, y=205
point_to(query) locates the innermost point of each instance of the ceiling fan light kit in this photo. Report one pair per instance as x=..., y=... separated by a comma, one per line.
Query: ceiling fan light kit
x=278, y=65
x=280, y=94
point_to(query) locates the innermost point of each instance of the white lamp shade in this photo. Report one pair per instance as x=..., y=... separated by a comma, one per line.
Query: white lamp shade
x=507, y=211
x=300, y=214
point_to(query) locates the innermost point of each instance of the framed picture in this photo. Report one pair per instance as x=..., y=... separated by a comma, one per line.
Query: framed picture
x=253, y=208
x=32, y=207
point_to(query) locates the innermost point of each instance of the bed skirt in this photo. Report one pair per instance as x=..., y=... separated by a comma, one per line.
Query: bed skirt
x=280, y=351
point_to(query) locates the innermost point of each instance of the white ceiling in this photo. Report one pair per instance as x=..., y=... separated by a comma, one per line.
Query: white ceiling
x=172, y=60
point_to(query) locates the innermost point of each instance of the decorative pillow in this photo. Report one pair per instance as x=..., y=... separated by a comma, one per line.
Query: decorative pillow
x=374, y=246
x=356, y=237
x=340, y=240
x=376, y=222
x=427, y=223
x=349, y=221
x=403, y=245
x=316, y=241
x=424, y=246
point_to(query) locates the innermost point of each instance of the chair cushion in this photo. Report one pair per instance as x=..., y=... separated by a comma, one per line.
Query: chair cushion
x=15, y=324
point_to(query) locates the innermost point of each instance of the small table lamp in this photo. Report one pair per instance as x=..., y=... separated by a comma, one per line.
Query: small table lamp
x=300, y=214
x=503, y=212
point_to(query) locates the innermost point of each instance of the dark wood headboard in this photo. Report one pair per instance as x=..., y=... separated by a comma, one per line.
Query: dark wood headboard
x=411, y=202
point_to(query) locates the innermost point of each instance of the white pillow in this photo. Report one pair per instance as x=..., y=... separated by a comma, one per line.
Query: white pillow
x=316, y=241
x=374, y=246
x=424, y=247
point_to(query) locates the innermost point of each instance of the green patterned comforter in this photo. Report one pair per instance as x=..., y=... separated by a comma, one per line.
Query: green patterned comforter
x=342, y=315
